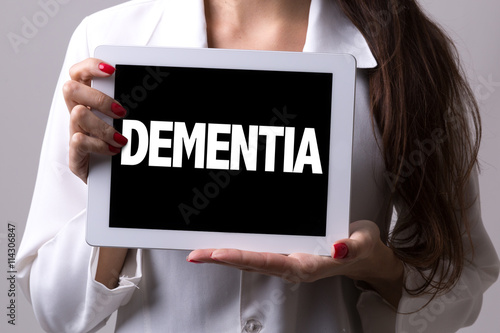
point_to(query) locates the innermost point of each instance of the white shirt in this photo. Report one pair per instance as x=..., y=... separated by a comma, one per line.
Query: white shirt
x=159, y=291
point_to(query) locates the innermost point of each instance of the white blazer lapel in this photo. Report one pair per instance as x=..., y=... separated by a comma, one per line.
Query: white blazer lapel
x=182, y=24
x=329, y=30
x=136, y=25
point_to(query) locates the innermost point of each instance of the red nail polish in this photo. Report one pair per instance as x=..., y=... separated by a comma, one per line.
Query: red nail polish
x=118, y=110
x=341, y=251
x=120, y=139
x=113, y=149
x=195, y=261
x=108, y=69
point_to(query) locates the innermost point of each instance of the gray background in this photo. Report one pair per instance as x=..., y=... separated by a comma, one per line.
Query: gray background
x=28, y=78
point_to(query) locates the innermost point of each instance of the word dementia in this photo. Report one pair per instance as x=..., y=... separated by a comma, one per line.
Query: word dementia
x=204, y=140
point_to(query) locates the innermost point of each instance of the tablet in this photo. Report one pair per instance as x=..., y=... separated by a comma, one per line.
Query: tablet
x=227, y=149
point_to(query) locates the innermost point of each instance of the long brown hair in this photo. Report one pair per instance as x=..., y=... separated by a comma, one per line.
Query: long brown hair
x=430, y=132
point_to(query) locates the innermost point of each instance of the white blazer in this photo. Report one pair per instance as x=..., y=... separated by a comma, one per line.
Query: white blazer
x=159, y=291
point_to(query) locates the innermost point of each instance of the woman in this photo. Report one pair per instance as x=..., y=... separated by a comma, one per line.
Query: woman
x=414, y=150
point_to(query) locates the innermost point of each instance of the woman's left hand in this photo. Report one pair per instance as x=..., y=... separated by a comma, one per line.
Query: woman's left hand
x=362, y=256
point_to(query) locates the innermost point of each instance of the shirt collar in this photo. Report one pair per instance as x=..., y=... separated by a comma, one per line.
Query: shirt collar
x=183, y=24
x=330, y=31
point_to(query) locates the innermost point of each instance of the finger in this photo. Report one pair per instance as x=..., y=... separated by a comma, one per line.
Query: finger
x=257, y=264
x=295, y=267
x=200, y=256
x=263, y=261
x=244, y=260
x=89, y=68
x=85, y=121
x=80, y=147
x=76, y=93
x=204, y=257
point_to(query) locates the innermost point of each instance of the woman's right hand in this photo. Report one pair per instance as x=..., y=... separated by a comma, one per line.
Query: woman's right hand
x=89, y=133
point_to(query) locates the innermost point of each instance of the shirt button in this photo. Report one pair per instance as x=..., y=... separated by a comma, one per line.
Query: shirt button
x=252, y=326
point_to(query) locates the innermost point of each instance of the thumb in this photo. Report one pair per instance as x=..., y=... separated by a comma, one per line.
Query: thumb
x=364, y=235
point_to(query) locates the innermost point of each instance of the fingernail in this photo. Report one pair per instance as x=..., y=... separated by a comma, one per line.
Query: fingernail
x=113, y=149
x=120, y=139
x=108, y=69
x=341, y=251
x=195, y=261
x=118, y=110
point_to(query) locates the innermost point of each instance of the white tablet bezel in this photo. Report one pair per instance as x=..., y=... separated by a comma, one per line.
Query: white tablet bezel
x=343, y=68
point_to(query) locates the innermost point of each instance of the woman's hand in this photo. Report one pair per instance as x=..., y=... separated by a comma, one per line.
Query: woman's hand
x=88, y=133
x=362, y=256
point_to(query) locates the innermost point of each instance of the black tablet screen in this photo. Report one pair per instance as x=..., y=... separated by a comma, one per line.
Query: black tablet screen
x=224, y=150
